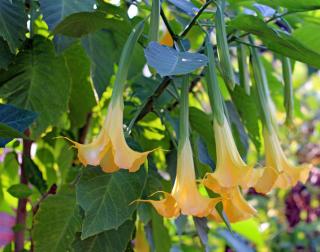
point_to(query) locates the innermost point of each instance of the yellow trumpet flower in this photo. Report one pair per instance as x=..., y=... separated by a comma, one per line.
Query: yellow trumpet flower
x=235, y=206
x=166, y=39
x=230, y=170
x=110, y=149
x=185, y=197
x=279, y=172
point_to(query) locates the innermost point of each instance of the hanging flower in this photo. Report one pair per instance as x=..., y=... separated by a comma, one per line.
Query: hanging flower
x=235, y=206
x=230, y=170
x=277, y=163
x=109, y=149
x=185, y=197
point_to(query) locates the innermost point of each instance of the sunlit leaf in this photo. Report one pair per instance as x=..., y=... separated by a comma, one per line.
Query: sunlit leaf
x=293, y=4
x=168, y=61
x=277, y=40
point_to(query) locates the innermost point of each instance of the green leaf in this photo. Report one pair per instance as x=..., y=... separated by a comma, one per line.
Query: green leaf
x=5, y=55
x=82, y=97
x=38, y=81
x=64, y=157
x=238, y=131
x=185, y=6
x=202, y=228
x=56, y=222
x=13, y=23
x=9, y=132
x=83, y=23
x=104, y=49
x=112, y=240
x=308, y=37
x=160, y=234
x=154, y=21
x=13, y=121
x=168, y=61
x=34, y=175
x=237, y=242
x=107, y=198
x=224, y=217
x=54, y=11
x=200, y=122
x=46, y=163
x=247, y=109
x=277, y=40
x=20, y=191
x=293, y=4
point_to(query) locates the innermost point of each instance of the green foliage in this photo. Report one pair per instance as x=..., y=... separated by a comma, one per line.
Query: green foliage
x=9, y=132
x=23, y=83
x=20, y=191
x=168, y=61
x=293, y=5
x=277, y=40
x=84, y=22
x=108, y=199
x=55, y=11
x=82, y=95
x=34, y=175
x=160, y=234
x=5, y=55
x=248, y=111
x=111, y=240
x=13, y=121
x=13, y=23
x=57, y=221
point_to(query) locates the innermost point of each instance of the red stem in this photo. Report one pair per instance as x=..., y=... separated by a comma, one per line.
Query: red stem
x=22, y=203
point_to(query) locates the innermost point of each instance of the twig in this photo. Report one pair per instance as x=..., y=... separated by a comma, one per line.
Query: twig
x=194, y=19
x=84, y=130
x=250, y=44
x=22, y=203
x=166, y=22
x=148, y=105
x=192, y=85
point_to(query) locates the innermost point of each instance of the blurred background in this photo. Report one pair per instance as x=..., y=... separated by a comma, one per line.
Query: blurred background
x=287, y=220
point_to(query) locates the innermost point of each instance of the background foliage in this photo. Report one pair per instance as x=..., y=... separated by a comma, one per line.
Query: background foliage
x=57, y=66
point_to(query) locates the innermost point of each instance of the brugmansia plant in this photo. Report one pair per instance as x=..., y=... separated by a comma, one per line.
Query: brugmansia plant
x=159, y=125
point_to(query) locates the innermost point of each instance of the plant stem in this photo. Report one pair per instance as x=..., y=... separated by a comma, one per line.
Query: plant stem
x=166, y=22
x=195, y=18
x=19, y=236
x=148, y=105
x=84, y=130
x=184, y=112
